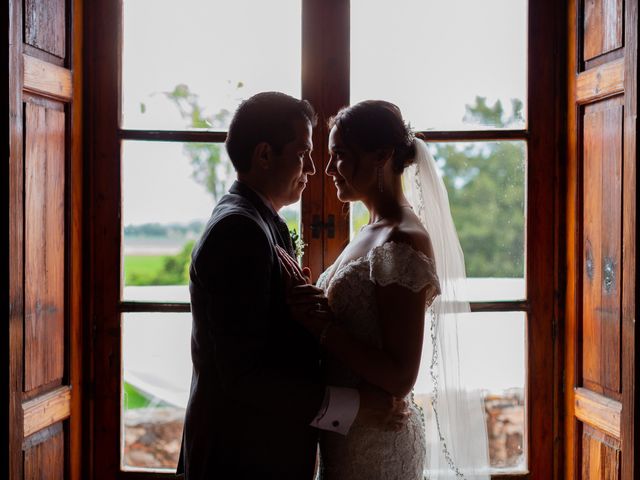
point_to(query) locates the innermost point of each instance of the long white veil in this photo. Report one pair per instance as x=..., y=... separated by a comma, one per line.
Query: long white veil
x=457, y=442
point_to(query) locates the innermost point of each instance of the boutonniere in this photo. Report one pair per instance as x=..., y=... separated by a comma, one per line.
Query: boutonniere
x=298, y=244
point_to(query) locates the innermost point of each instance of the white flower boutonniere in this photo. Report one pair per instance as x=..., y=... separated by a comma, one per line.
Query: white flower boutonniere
x=298, y=244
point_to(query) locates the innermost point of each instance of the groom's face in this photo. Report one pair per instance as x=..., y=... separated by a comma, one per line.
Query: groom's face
x=292, y=167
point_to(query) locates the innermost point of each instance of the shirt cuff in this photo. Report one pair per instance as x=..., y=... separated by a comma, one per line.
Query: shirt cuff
x=338, y=410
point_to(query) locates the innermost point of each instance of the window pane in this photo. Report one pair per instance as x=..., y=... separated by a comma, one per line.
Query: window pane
x=434, y=59
x=493, y=346
x=156, y=363
x=358, y=216
x=188, y=64
x=168, y=192
x=486, y=186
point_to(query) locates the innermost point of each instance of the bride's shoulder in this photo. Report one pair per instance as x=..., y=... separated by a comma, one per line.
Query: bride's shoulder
x=412, y=236
x=405, y=258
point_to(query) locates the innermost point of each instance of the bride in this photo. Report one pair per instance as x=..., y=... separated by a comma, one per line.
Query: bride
x=392, y=286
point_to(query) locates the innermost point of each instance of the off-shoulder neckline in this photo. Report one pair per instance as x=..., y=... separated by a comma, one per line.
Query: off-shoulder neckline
x=367, y=257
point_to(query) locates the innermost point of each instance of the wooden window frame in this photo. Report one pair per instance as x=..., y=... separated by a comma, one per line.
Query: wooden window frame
x=325, y=83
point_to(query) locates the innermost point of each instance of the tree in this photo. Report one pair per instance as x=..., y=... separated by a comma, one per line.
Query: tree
x=209, y=169
x=486, y=184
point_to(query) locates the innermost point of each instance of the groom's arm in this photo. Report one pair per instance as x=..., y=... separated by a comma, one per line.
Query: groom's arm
x=235, y=265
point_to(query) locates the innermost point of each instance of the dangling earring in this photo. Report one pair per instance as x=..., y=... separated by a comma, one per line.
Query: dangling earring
x=380, y=179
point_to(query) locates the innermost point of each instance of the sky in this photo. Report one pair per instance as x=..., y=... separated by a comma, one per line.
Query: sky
x=430, y=57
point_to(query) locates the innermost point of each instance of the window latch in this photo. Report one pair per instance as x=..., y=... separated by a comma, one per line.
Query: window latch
x=317, y=225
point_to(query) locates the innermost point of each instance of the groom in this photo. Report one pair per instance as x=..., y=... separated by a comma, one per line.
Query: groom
x=257, y=397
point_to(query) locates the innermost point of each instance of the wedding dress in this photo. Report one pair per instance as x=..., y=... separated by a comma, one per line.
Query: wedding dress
x=366, y=452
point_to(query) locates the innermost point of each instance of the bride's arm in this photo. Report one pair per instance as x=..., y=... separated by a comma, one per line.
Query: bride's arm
x=393, y=367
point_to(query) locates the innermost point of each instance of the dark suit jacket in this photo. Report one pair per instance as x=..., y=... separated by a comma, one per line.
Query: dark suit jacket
x=256, y=377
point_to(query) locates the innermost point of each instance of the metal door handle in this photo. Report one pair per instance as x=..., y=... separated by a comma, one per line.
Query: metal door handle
x=317, y=225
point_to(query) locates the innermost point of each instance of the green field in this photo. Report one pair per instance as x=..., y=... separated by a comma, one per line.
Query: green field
x=133, y=398
x=142, y=266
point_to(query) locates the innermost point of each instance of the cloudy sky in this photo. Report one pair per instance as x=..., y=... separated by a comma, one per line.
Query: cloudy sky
x=431, y=57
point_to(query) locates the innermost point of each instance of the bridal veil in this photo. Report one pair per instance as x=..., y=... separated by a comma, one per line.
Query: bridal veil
x=457, y=442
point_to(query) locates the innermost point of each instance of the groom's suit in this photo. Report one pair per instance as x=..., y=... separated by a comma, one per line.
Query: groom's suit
x=256, y=377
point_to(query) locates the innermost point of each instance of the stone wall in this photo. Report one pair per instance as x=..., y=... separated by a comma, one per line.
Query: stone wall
x=153, y=435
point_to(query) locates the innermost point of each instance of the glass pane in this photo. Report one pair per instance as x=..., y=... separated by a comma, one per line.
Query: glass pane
x=168, y=192
x=486, y=185
x=494, y=349
x=187, y=64
x=358, y=217
x=156, y=361
x=445, y=64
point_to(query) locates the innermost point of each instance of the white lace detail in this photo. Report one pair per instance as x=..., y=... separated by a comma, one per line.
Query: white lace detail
x=399, y=263
x=368, y=453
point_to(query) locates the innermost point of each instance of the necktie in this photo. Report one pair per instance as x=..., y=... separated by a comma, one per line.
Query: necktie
x=285, y=236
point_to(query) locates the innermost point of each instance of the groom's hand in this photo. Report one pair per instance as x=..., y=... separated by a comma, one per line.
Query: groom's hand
x=381, y=410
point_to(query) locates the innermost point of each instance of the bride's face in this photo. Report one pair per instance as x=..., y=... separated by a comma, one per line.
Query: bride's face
x=352, y=171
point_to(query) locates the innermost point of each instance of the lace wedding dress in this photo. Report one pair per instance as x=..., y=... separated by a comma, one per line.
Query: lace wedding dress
x=367, y=453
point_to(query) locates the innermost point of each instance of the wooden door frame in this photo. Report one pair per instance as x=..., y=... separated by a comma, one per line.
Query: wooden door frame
x=544, y=272
x=629, y=309
x=8, y=106
x=103, y=24
x=328, y=91
x=14, y=178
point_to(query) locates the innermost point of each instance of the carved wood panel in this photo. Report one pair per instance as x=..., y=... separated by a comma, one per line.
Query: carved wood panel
x=600, y=306
x=44, y=25
x=44, y=245
x=600, y=456
x=44, y=455
x=45, y=242
x=602, y=219
x=602, y=27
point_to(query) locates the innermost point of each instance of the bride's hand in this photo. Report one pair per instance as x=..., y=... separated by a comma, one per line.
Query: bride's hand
x=310, y=308
x=380, y=410
x=309, y=296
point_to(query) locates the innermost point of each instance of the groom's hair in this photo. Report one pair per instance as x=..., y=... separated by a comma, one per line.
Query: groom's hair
x=266, y=117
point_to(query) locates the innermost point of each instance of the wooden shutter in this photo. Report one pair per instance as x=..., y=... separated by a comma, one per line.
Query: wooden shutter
x=44, y=239
x=601, y=278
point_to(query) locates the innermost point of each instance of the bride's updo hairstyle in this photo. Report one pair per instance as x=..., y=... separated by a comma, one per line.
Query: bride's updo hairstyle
x=375, y=124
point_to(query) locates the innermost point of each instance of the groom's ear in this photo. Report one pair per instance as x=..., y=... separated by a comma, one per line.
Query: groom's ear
x=262, y=155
